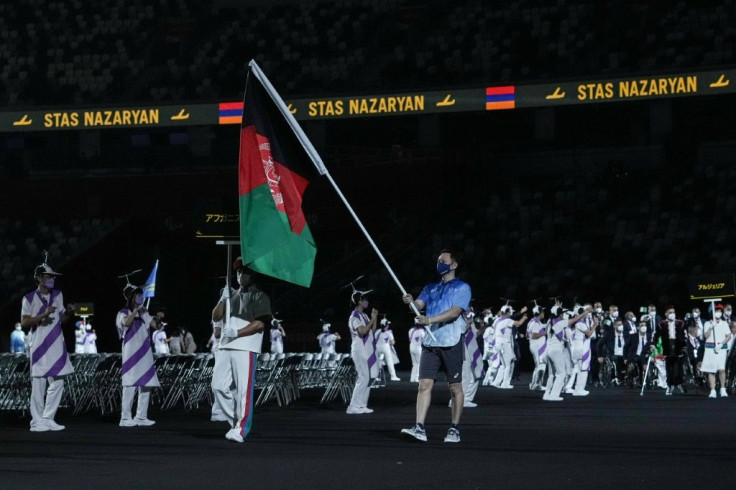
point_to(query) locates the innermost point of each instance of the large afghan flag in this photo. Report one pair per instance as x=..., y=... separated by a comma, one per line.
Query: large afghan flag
x=274, y=171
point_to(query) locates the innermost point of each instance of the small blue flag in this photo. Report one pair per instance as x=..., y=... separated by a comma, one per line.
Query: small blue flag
x=149, y=290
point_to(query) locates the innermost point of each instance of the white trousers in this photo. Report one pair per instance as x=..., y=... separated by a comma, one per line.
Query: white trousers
x=557, y=371
x=388, y=360
x=470, y=384
x=661, y=372
x=233, y=382
x=144, y=397
x=362, y=389
x=416, y=354
x=46, y=394
x=507, y=362
x=277, y=348
x=216, y=407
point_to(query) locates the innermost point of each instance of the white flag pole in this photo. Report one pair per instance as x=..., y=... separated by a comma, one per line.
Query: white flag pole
x=317, y=160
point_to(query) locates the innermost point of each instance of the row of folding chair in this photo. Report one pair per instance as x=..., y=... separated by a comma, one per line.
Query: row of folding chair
x=342, y=381
x=15, y=382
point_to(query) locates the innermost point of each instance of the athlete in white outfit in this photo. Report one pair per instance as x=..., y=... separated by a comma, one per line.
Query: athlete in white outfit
x=327, y=339
x=556, y=355
x=277, y=336
x=536, y=332
x=79, y=338
x=717, y=336
x=241, y=338
x=416, y=334
x=385, y=345
x=43, y=312
x=138, y=370
x=363, y=352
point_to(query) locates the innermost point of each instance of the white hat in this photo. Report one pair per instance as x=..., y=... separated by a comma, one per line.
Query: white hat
x=45, y=269
x=326, y=327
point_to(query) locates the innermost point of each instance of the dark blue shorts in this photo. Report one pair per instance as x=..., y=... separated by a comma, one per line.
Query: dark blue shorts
x=446, y=359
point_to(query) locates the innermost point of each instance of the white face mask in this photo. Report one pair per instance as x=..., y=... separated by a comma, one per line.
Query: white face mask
x=727, y=312
x=620, y=328
x=599, y=310
x=632, y=319
x=643, y=329
x=614, y=314
x=717, y=315
x=565, y=316
x=696, y=314
x=652, y=312
x=671, y=316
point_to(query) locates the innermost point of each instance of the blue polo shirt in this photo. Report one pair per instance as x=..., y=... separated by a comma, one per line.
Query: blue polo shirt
x=438, y=298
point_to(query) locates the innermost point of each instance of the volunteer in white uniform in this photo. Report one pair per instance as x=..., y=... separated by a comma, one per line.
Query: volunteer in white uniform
x=504, y=344
x=277, y=336
x=558, y=358
x=160, y=342
x=472, y=362
x=536, y=332
x=43, y=312
x=241, y=338
x=327, y=339
x=138, y=370
x=580, y=352
x=416, y=334
x=90, y=340
x=79, y=338
x=717, y=335
x=363, y=352
x=385, y=342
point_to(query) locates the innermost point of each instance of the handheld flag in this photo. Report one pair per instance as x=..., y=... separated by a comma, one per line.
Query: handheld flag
x=274, y=171
x=149, y=290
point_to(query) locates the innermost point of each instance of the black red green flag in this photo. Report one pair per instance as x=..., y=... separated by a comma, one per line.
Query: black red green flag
x=274, y=171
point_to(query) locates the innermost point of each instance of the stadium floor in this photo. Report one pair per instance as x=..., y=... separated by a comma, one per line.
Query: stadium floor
x=612, y=438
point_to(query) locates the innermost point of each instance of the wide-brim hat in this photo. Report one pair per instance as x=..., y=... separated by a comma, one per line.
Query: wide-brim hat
x=46, y=269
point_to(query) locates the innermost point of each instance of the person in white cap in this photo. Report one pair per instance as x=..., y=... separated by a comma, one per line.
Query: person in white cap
x=580, y=350
x=717, y=335
x=90, y=340
x=241, y=340
x=558, y=358
x=138, y=370
x=327, y=339
x=536, y=331
x=416, y=334
x=504, y=344
x=158, y=337
x=277, y=336
x=363, y=351
x=79, y=338
x=17, y=340
x=385, y=342
x=42, y=311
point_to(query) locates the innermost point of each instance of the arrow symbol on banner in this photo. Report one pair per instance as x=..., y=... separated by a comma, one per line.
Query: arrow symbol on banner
x=721, y=82
x=557, y=94
x=23, y=121
x=446, y=102
x=182, y=116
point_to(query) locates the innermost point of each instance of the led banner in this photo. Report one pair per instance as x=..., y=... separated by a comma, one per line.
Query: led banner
x=489, y=98
x=711, y=286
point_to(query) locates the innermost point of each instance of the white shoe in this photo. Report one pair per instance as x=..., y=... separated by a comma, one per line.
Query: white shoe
x=218, y=418
x=550, y=398
x=580, y=393
x=53, y=425
x=358, y=410
x=39, y=427
x=234, y=435
x=669, y=391
x=724, y=394
x=127, y=423
x=143, y=422
x=470, y=405
x=506, y=387
x=395, y=379
x=569, y=391
x=712, y=394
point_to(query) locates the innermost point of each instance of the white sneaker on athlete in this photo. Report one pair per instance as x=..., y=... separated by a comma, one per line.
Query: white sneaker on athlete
x=416, y=433
x=453, y=435
x=470, y=405
x=724, y=393
x=218, y=418
x=712, y=394
x=580, y=393
x=53, y=425
x=550, y=398
x=39, y=427
x=143, y=422
x=395, y=379
x=358, y=410
x=234, y=435
x=127, y=423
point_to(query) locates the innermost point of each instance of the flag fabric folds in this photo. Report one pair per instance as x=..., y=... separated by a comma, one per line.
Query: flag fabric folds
x=149, y=289
x=273, y=173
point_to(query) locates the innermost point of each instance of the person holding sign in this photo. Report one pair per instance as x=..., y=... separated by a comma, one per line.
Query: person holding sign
x=717, y=334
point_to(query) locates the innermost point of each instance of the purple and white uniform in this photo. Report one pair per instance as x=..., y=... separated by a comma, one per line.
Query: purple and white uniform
x=277, y=341
x=538, y=348
x=90, y=343
x=326, y=342
x=138, y=368
x=159, y=342
x=416, y=334
x=363, y=353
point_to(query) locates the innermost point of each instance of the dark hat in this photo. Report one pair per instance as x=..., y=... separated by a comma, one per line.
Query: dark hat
x=129, y=291
x=45, y=269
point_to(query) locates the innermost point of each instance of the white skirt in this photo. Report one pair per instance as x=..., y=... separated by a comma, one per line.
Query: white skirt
x=712, y=362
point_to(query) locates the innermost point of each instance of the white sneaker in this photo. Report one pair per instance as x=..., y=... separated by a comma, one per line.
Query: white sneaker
x=453, y=435
x=724, y=393
x=39, y=427
x=395, y=379
x=569, y=391
x=53, y=425
x=469, y=404
x=218, y=418
x=358, y=410
x=668, y=392
x=580, y=393
x=143, y=422
x=550, y=398
x=234, y=435
x=506, y=387
x=415, y=433
x=127, y=423
x=712, y=394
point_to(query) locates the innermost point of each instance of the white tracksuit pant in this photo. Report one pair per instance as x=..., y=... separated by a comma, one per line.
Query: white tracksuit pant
x=540, y=366
x=362, y=389
x=557, y=371
x=416, y=354
x=216, y=407
x=388, y=360
x=507, y=362
x=470, y=384
x=233, y=381
x=49, y=388
x=144, y=397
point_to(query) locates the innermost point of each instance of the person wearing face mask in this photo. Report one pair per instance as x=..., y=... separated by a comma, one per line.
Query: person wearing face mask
x=490, y=353
x=695, y=349
x=580, y=351
x=241, y=340
x=138, y=370
x=636, y=348
x=556, y=355
x=277, y=336
x=654, y=319
x=445, y=303
x=619, y=342
x=363, y=351
x=327, y=339
x=537, y=334
x=504, y=344
x=697, y=321
x=727, y=313
x=717, y=335
x=43, y=312
x=629, y=324
x=672, y=333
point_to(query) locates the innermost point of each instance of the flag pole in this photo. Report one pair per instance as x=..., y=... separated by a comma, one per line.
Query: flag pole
x=317, y=160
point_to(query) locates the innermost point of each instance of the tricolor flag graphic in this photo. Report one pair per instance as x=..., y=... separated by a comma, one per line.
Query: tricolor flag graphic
x=500, y=98
x=231, y=112
x=274, y=171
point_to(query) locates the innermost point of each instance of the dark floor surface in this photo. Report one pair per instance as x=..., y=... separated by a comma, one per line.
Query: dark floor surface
x=613, y=438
